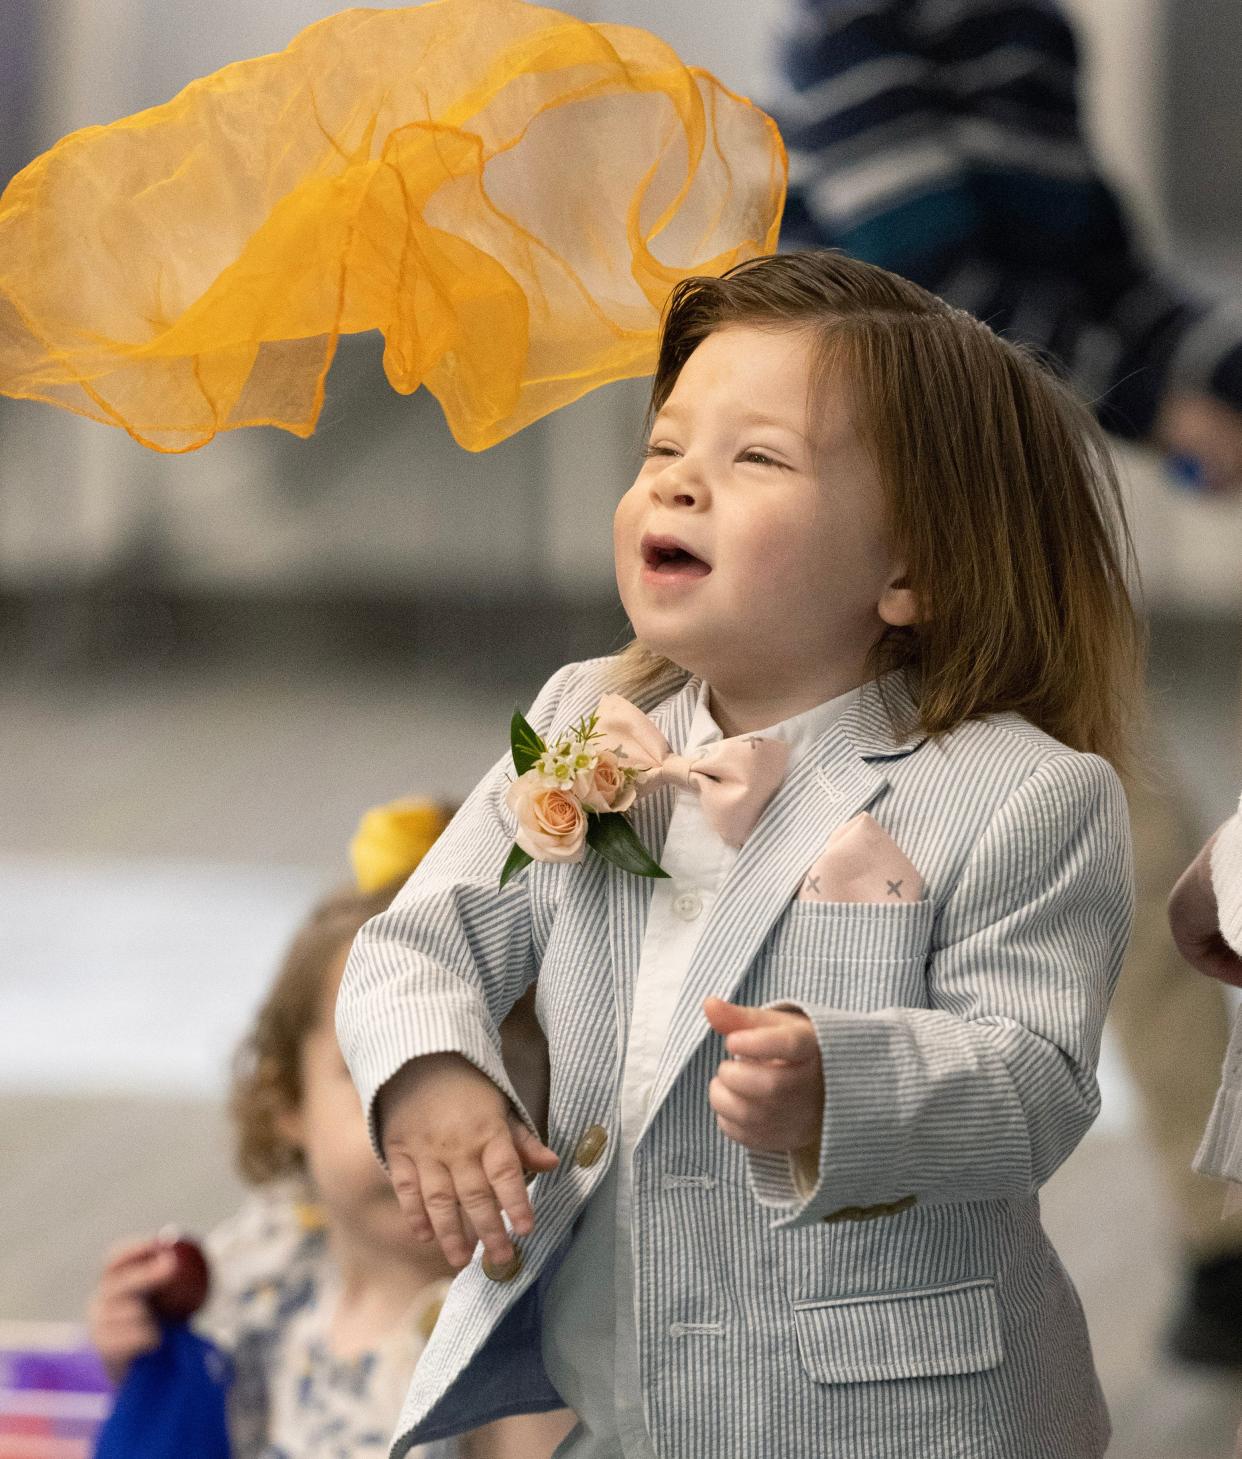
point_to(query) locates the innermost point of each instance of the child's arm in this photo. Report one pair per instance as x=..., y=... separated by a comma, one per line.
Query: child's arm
x=435, y=975
x=982, y=1095
x=120, y=1319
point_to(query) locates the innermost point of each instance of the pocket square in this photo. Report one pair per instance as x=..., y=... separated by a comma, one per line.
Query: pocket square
x=861, y=863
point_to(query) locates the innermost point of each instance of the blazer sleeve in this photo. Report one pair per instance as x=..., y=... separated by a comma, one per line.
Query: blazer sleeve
x=983, y=1094
x=439, y=970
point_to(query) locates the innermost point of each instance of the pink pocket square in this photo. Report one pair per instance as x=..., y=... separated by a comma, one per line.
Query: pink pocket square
x=861, y=863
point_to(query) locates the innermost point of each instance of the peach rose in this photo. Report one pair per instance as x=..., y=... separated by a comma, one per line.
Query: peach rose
x=606, y=786
x=551, y=821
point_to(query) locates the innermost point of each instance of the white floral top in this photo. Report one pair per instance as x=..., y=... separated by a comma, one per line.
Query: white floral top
x=274, y=1291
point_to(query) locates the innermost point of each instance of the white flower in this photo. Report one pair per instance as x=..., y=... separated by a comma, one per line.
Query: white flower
x=556, y=769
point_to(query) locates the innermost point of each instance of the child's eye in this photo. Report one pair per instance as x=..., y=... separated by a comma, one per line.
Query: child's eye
x=760, y=458
x=651, y=451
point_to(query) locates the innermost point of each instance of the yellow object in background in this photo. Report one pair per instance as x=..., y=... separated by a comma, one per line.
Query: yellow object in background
x=392, y=839
x=507, y=193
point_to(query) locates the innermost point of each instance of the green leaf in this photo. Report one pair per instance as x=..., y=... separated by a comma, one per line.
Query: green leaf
x=517, y=859
x=613, y=838
x=527, y=746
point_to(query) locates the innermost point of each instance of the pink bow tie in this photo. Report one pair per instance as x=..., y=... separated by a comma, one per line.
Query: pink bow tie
x=734, y=779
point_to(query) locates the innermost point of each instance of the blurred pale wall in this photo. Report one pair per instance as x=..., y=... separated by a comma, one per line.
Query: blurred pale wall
x=1123, y=47
x=381, y=500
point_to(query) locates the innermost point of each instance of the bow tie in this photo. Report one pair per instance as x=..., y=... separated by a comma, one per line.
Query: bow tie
x=734, y=779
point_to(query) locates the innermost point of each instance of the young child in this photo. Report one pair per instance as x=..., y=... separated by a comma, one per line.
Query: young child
x=320, y=1292
x=805, y=1090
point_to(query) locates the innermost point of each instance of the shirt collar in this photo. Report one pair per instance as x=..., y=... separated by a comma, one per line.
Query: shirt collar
x=799, y=732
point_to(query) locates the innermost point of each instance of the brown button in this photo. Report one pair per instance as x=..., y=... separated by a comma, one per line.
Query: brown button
x=872, y=1213
x=505, y=1272
x=591, y=1146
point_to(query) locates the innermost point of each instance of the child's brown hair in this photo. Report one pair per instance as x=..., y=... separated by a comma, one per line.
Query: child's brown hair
x=267, y=1069
x=1002, y=498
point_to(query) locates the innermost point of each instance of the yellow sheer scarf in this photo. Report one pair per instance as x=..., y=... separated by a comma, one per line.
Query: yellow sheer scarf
x=507, y=193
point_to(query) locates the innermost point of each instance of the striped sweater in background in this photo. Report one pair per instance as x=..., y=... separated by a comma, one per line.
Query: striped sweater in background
x=941, y=139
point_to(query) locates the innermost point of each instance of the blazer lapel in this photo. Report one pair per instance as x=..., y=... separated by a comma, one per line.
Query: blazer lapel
x=629, y=897
x=835, y=780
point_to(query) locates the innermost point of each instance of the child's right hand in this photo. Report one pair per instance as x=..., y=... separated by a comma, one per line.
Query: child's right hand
x=120, y=1319
x=457, y=1155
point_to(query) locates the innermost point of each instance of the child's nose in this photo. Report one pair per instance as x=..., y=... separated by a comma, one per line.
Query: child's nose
x=682, y=485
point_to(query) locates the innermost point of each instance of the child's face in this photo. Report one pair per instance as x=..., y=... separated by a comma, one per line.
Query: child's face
x=786, y=579
x=330, y=1128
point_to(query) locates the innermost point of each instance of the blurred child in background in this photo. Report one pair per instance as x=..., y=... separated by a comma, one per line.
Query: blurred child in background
x=320, y=1292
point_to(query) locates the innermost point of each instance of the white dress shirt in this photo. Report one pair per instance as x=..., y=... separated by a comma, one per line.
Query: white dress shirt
x=590, y=1339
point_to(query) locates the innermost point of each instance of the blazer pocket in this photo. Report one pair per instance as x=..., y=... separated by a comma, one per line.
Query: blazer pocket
x=928, y=1333
x=853, y=932
x=857, y=955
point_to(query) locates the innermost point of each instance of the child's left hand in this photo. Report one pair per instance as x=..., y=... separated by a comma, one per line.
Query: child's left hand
x=769, y=1094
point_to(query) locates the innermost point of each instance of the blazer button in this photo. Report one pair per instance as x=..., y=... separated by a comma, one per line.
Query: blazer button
x=507, y=1271
x=591, y=1146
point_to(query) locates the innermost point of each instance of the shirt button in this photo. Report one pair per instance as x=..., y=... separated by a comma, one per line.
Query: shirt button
x=688, y=906
x=591, y=1146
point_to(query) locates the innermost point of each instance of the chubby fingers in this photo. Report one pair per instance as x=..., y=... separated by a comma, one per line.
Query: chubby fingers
x=439, y=1190
x=461, y=1201
x=136, y=1268
x=760, y=1082
x=494, y=1189
x=487, y=1191
x=763, y=1033
x=133, y=1250
x=727, y=1018
x=403, y=1173
x=769, y=1093
x=532, y=1152
x=759, y=1102
x=410, y=1200
x=121, y=1322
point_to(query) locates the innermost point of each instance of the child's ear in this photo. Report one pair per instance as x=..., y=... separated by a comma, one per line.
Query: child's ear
x=898, y=605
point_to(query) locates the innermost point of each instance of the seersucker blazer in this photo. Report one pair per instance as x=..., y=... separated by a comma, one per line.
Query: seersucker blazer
x=910, y=1304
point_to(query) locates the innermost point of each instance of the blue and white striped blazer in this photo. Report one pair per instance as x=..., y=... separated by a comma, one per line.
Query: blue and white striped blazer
x=910, y=1303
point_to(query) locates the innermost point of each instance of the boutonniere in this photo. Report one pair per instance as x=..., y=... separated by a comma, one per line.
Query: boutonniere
x=571, y=794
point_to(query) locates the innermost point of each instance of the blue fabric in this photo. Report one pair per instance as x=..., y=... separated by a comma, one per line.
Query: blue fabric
x=172, y=1403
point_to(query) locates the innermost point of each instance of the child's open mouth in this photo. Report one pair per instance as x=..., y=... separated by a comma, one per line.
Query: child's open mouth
x=666, y=557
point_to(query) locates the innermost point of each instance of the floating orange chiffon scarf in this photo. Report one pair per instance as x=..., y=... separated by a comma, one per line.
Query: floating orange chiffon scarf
x=508, y=194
